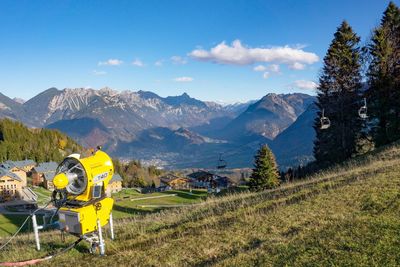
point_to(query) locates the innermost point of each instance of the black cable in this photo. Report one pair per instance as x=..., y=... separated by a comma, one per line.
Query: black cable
x=34, y=261
x=65, y=249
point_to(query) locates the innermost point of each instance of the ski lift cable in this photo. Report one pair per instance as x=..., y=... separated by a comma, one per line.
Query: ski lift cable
x=211, y=157
x=226, y=153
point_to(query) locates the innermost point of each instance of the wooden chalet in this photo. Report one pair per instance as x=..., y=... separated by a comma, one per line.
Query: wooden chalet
x=175, y=182
x=43, y=174
x=205, y=179
x=115, y=185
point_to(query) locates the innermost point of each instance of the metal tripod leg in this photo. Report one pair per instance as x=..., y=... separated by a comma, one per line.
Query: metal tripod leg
x=36, y=231
x=111, y=222
x=101, y=240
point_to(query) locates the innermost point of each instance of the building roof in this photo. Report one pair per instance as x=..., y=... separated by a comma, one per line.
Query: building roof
x=6, y=172
x=46, y=167
x=18, y=163
x=223, y=180
x=200, y=174
x=116, y=178
x=167, y=178
x=49, y=175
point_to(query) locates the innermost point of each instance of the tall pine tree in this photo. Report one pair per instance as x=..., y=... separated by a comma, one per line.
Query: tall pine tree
x=339, y=96
x=383, y=78
x=265, y=173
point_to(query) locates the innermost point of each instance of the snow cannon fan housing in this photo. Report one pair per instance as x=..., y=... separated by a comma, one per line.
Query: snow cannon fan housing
x=84, y=179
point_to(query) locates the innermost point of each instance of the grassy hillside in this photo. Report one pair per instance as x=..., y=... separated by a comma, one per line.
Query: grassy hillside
x=127, y=203
x=349, y=216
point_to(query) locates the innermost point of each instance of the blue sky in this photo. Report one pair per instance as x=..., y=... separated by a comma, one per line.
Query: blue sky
x=214, y=50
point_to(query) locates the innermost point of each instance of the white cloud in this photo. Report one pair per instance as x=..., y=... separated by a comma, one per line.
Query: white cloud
x=183, y=79
x=99, y=72
x=260, y=68
x=274, y=68
x=237, y=54
x=138, y=63
x=178, y=60
x=268, y=70
x=159, y=63
x=110, y=62
x=304, y=84
x=297, y=66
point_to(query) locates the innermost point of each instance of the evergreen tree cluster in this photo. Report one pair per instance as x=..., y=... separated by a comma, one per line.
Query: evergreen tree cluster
x=17, y=142
x=341, y=92
x=292, y=174
x=383, y=92
x=136, y=175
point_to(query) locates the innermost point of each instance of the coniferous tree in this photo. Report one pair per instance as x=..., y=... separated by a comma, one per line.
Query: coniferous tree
x=265, y=172
x=18, y=142
x=339, y=96
x=383, y=78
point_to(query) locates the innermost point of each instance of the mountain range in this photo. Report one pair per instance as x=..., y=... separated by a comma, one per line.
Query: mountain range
x=174, y=131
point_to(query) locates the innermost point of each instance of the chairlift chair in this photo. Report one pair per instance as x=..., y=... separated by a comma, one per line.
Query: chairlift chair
x=362, y=112
x=221, y=163
x=325, y=122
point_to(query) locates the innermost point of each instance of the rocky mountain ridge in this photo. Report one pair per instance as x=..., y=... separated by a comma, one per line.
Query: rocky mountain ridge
x=147, y=126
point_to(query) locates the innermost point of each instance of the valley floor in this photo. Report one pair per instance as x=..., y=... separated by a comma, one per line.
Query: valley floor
x=348, y=216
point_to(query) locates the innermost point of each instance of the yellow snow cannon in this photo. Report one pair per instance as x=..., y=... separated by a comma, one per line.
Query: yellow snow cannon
x=80, y=196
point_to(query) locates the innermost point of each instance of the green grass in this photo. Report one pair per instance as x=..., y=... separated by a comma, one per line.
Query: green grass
x=347, y=216
x=10, y=223
x=43, y=194
x=126, y=205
